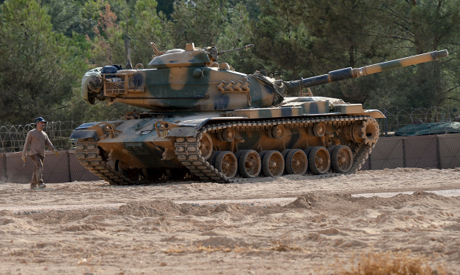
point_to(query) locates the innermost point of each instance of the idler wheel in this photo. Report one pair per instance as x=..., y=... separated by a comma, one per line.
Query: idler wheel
x=227, y=135
x=272, y=163
x=319, y=160
x=341, y=159
x=249, y=163
x=206, y=146
x=226, y=163
x=277, y=132
x=296, y=162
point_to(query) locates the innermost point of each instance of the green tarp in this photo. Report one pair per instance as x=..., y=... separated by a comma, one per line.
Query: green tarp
x=435, y=128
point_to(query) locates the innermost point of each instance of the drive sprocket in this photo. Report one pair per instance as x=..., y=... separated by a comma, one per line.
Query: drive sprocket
x=370, y=131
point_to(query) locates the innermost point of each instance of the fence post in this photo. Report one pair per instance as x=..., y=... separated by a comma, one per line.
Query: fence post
x=404, y=151
x=68, y=166
x=370, y=161
x=438, y=152
x=4, y=161
x=385, y=122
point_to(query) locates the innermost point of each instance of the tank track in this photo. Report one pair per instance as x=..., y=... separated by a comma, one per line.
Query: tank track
x=89, y=156
x=188, y=153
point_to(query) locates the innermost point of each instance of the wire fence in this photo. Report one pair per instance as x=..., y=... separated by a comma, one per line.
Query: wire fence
x=397, y=118
x=12, y=137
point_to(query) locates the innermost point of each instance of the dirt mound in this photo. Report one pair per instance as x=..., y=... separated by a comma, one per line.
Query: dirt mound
x=325, y=226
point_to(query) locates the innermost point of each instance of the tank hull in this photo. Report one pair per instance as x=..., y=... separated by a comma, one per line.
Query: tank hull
x=209, y=146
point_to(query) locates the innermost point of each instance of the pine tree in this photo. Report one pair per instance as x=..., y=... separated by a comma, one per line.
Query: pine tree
x=39, y=67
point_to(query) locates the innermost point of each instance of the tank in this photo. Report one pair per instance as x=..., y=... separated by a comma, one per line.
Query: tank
x=203, y=120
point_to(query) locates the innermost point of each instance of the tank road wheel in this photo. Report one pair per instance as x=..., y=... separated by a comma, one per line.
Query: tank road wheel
x=249, y=163
x=272, y=164
x=341, y=159
x=226, y=163
x=227, y=135
x=319, y=129
x=152, y=173
x=319, y=160
x=206, y=146
x=277, y=132
x=296, y=162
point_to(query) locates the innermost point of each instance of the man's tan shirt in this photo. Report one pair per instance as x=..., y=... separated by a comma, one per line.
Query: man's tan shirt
x=37, y=141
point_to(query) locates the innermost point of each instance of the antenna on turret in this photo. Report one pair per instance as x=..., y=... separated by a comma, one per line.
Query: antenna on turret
x=236, y=49
x=155, y=49
x=129, y=65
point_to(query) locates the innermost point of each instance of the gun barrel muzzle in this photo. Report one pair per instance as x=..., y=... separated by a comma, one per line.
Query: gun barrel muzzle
x=346, y=73
x=402, y=62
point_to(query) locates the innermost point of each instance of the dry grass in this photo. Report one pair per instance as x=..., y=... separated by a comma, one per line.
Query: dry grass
x=385, y=263
x=368, y=263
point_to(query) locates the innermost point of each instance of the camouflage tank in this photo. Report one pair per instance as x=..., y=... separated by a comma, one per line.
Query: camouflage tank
x=205, y=120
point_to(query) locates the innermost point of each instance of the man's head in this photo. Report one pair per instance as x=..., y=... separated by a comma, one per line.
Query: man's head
x=40, y=122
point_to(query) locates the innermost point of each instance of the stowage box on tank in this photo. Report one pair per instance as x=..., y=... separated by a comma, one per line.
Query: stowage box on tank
x=205, y=120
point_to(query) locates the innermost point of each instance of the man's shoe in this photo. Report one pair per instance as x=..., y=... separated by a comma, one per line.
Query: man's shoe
x=41, y=185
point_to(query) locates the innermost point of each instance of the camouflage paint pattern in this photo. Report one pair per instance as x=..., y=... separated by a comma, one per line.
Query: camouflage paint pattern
x=189, y=91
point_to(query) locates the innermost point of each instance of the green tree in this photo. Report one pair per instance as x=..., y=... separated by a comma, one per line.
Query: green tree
x=236, y=32
x=39, y=67
x=313, y=37
x=143, y=26
x=306, y=38
x=198, y=22
x=282, y=44
x=107, y=45
x=166, y=7
x=422, y=26
x=147, y=26
x=65, y=16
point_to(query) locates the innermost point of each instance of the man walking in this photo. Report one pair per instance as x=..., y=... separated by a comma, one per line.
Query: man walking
x=37, y=139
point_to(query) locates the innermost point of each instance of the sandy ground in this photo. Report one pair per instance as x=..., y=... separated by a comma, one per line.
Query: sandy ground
x=145, y=230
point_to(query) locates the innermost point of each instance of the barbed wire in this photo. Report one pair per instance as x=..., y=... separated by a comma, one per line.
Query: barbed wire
x=12, y=137
x=399, y=117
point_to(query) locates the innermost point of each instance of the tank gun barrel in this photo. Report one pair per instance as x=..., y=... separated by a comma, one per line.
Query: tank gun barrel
x=236, y=49
x=349, y=72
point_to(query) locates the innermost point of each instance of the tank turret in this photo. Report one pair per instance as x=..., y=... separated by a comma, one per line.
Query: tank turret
x=203, y=120
x=192, y=80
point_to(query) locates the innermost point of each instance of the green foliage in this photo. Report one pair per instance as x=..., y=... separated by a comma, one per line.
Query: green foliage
x=281, y=42
x=314, y=37
x=166, y=7
x=424, y=26
x=198, y=22
x=235, y=33
x=39, y=66
x=46, y=47
x=145, y=27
